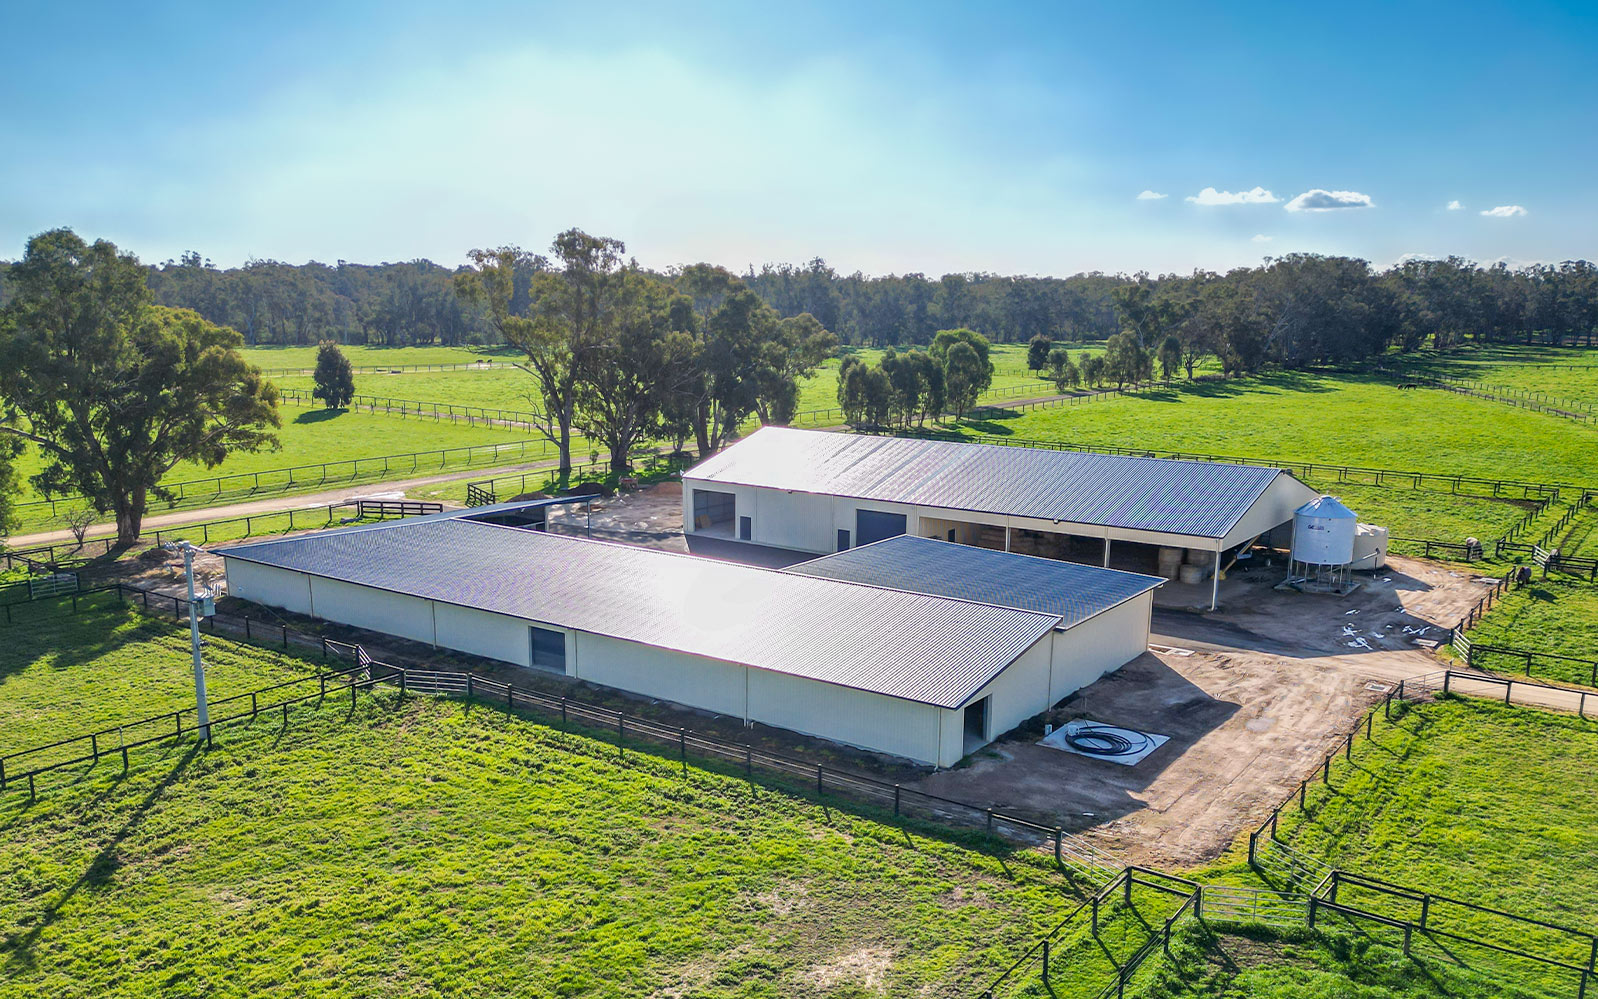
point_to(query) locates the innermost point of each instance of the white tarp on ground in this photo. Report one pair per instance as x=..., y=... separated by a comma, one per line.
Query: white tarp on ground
x=1125, y=746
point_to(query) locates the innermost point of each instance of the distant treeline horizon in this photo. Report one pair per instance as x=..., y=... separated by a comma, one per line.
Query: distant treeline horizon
x=1307, y=307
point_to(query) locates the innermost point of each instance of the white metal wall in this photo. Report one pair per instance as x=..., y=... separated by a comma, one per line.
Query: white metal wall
x=853, y=717
x=373, y=609
x=484, y=633
x=269, y=585
x=1275, y=506
x=644, y=669
x=1017, y=694
x=1101, y=644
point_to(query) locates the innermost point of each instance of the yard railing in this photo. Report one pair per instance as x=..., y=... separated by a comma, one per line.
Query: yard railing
x=435, y=411
x=1325, y=889
x=486, y=364
x=347, y=470
x=1071, y=852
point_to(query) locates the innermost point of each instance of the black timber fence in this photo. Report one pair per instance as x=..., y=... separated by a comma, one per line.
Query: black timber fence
x=1542, y=402
x=23, y=768
x=1500, y=658
x=1416, y=914
x=1071, y=852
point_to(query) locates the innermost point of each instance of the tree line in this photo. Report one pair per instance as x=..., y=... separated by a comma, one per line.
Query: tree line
x=1306, y=309
x=118, y=372
x=1280, y=312
x=115, y=389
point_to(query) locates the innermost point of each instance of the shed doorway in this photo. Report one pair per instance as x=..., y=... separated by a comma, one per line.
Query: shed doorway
x=976, y=724
x=875, y=525
x=713, y=512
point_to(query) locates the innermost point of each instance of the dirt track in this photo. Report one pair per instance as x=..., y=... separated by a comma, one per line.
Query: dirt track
x=1261, y=695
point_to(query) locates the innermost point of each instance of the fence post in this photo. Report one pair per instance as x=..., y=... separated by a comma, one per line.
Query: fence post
x=510, y=697
x=1447, y=675
x=1509, y=687
x=1348, y=751
x=469, y=688
x=896, y=811
x=682, y=749
x=1311, y=919
x=563, y=711
x=749, y=761
x=818, y=778
x=1045, y=959
x=1425, y=909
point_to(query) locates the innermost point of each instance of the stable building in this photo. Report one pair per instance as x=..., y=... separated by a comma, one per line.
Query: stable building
x=1103, y=615
x=913, y=673
x=818, y=491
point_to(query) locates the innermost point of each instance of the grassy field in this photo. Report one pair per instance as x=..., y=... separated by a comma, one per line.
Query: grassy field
x=1554, y=615
x=1428, y=513
x=1561, y=373
x=1581, y=537
x=432, y=849
x=63, y=676
x=279, y=358
x=1300, y=964
x=312, y=436
x=1338, y=419
x=1471, y=799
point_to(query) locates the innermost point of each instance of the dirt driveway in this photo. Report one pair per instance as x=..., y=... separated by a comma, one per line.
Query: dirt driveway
x=1252, y=699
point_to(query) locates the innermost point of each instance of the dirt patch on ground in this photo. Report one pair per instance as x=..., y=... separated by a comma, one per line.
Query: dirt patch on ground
x=1252, y=700
x=866, y=969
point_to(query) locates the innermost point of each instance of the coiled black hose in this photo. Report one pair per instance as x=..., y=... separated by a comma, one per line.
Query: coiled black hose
x=1103, y=742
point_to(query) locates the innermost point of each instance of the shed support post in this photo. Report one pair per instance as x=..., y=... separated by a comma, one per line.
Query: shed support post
x=1215, y=579
x=1106, y=551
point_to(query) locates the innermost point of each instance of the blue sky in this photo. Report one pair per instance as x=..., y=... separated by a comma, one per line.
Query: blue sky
x=928, y=137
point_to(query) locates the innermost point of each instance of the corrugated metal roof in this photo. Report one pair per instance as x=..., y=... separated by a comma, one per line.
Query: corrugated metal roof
x=923, y=648
x=1072, y=591
x=1195, y=498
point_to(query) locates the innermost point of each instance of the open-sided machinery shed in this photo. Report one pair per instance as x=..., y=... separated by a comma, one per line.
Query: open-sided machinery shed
x=883, y=668
x=816, y=491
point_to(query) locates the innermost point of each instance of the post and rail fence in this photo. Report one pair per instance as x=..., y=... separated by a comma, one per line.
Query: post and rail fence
x=1315, y=884
x=342, y=471
x=1077, y=856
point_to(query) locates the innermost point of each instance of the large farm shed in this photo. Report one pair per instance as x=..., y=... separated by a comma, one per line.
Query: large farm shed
x=816, y=491
x=1104, y=615
x=914, y=674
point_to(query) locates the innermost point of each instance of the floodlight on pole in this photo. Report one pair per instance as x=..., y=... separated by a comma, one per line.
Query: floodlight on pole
x=196, y=611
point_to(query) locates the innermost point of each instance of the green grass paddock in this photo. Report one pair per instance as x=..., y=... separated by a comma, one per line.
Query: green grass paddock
x=427, y=847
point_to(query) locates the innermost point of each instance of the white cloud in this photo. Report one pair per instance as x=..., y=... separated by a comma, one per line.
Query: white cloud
x=1151, y=196
x=1260, y=237
x=1319, y=200
x=1210, y=196
x=1454, y=205
x=1504, y=211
